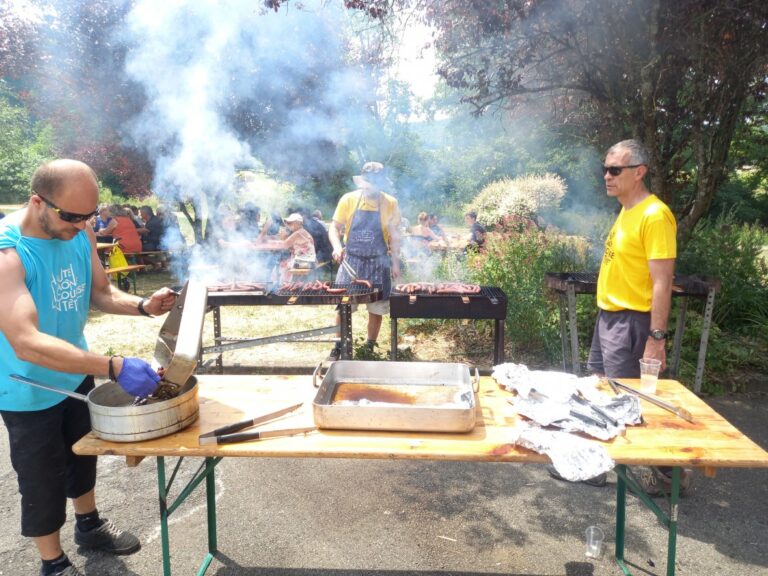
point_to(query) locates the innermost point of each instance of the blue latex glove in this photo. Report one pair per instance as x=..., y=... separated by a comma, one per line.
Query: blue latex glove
x=137, y=377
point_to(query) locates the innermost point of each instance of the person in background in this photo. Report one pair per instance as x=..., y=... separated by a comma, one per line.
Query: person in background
x=422, y=235
x=248, y=223
x=50, y=274
x=133, y=212
x=371, y=219
x=435, y=226
x=298, y=244
x=125, y=232
x=104, y=225
x=477, y=232
x=634, y=287
x=172, y=238
x=151, y=236
x=152, y=231
x=323, y=248
x=273, y=231
x=318, y=217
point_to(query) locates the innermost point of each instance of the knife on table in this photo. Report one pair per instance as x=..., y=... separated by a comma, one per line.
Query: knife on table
x=258, y=435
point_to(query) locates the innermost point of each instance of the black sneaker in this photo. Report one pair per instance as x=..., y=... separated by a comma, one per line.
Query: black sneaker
x=68, y=571
x=109, y=538
x=597, y=481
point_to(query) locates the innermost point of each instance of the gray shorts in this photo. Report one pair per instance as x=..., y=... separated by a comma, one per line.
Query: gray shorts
x=618, y=343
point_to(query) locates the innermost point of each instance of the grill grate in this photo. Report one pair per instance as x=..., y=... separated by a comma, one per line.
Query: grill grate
x=586, y=283
x=355, y=294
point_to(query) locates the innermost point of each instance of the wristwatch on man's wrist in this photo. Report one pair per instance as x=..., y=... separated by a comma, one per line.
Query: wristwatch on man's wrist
x=658, y=334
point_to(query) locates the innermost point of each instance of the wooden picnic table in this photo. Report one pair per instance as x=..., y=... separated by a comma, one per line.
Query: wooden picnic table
x=710, y=442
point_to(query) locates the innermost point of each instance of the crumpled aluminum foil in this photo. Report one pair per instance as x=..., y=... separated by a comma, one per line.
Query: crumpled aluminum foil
x=574, y=458
x=573, y=404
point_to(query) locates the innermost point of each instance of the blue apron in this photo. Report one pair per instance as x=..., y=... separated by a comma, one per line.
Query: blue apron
x=366, y=250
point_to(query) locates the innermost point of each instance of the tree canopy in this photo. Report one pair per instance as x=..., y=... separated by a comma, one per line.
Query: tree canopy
x=680, y=76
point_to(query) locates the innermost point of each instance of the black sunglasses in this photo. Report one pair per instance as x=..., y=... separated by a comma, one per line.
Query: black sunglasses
x=71, y=217
x=616, y=170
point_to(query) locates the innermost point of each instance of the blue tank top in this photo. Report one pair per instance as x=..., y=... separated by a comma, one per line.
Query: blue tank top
x=58, y=276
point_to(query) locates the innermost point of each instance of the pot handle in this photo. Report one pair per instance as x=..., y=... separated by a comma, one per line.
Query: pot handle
x=315, y=383
x=71, y=394
x=476, y=381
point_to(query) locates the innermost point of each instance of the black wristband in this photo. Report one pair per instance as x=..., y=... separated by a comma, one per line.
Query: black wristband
x=141, y=308
x=112, y=367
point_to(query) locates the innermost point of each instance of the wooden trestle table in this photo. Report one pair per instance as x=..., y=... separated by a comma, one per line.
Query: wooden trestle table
x=710, y=442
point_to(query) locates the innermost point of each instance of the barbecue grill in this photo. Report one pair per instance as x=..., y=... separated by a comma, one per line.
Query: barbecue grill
x=269, y=294
x=568, y=284
x=488, y=304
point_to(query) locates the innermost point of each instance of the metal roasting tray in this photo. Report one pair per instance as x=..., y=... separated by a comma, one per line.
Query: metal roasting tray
x=396, y=396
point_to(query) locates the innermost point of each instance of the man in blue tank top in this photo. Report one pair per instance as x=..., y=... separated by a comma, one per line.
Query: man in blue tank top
x=50, y=274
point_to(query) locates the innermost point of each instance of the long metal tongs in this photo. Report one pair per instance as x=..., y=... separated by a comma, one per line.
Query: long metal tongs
x=228, y=434
x=348, y=267
x=677, y=410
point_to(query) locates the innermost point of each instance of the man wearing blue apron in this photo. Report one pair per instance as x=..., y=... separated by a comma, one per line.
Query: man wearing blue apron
x=370, y=220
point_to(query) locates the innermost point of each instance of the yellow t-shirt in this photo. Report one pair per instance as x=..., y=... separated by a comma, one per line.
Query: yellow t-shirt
x=644, y=232
x=389, y=212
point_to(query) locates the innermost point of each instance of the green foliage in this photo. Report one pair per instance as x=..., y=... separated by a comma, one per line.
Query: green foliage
x=522, y=198
x=516, y=261
x=24, y=145
x=729, y=356
x=363, y=351
x=732, y=252
x=744, y=196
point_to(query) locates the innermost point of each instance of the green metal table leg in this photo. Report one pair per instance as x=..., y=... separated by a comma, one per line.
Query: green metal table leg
x=210, y=494
x=621, y=515
x=205, y=472
x=163, y=516
x=624, y=479
x=672, y=526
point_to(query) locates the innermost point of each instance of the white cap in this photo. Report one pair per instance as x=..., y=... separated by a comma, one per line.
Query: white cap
x=295, y=217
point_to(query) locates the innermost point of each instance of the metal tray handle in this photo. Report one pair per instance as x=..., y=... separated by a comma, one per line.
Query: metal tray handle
x=315, y=374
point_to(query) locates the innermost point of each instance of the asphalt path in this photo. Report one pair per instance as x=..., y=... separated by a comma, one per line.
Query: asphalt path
x=325, y=517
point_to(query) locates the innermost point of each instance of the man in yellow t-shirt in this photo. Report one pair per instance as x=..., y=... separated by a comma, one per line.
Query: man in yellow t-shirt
x=370, y=221
x=634, y=288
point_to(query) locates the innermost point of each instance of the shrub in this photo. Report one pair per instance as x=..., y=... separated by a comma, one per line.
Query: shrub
x=521, y=199
x=516, y=261
x=733, y=253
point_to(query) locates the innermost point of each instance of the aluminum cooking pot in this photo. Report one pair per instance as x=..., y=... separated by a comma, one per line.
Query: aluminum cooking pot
x=115, y=418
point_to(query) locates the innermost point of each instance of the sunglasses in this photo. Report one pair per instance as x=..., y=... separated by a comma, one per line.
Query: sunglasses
x=71, y=217
x=616, y=170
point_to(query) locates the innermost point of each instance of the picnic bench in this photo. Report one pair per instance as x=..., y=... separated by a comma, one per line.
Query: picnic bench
x=129, y=271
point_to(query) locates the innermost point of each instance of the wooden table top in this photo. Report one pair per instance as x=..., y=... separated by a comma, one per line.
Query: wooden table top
x=665, y=439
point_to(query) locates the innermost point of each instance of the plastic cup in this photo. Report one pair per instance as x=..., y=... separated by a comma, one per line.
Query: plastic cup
x=649, y=374
x=595, y=537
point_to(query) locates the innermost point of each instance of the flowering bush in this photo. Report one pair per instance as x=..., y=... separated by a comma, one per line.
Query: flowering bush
x=518, y=200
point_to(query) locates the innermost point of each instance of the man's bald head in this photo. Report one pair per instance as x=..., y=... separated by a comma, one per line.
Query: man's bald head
x=52, y=177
